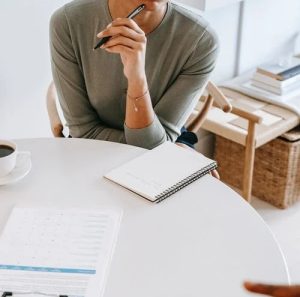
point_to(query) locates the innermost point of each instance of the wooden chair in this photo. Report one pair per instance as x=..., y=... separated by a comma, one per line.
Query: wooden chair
x=251, y=124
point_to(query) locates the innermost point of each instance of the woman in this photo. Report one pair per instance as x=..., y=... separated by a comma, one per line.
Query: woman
x=142, y=85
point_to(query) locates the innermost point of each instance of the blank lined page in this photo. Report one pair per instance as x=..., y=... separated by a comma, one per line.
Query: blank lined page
x=159, y=169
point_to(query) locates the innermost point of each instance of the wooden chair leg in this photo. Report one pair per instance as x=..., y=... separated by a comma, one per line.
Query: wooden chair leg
x=249, y=161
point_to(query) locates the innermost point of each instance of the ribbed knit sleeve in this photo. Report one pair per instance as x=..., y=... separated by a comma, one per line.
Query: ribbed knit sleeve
x=176, y=105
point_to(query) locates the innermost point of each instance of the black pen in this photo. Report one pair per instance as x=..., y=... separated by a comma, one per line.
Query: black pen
x=130, y=16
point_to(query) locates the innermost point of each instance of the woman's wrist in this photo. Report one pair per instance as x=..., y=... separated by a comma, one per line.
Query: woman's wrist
x=137, y=87
x=138, y=97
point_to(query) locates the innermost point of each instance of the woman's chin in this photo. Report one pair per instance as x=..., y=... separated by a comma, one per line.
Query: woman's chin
x=154, y=5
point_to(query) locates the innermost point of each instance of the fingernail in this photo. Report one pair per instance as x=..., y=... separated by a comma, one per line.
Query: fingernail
x=99, y=34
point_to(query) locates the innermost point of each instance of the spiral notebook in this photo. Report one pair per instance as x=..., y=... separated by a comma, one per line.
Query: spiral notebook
x=162, y=171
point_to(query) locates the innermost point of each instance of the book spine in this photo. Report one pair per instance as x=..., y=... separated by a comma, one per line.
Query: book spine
x=275, y=82
x=170, y=191
x=267, y=73
x=286, y=74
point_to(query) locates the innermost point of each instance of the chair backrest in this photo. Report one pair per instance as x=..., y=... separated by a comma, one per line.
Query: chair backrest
x=55, y=121
x=215, y=96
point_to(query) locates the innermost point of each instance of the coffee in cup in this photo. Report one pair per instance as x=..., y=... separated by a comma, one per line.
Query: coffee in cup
x=8, y=155
x=5, y=150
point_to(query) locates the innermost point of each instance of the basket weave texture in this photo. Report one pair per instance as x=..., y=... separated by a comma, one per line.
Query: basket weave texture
x=276, y=177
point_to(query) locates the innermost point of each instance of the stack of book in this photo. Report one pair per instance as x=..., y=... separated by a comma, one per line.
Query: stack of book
x=278, y=78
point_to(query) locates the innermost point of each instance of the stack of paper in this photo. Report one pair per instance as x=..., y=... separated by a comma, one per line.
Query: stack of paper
x=57, y=252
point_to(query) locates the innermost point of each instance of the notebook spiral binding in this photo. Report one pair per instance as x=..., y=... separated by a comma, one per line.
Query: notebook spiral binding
x=188, y=180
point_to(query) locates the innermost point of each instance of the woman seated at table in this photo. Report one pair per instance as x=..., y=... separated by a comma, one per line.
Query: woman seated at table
x=143, y=84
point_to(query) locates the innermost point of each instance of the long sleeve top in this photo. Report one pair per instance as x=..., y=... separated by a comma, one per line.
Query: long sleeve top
x=180, y=55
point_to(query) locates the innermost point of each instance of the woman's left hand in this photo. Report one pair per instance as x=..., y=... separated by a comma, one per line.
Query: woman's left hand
x=128, y=40
x=214, y=172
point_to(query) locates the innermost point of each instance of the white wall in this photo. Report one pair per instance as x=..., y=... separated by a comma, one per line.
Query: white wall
x=225, y=21
x=24, y=67
x=267, y=30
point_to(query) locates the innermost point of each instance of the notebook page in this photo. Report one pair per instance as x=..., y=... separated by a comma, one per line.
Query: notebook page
x=61, y=252
x=159, y=169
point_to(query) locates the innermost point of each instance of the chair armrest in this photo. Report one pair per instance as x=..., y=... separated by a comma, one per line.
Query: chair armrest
x=219, y=97
x=246, y=115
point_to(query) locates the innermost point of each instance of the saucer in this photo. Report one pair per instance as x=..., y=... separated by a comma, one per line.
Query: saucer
x=22, y=168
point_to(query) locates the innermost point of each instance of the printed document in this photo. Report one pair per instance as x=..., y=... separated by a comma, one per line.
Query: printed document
x=57, y=252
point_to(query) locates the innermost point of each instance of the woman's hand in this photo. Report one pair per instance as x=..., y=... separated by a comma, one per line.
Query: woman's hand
x=128, y=40
x=214, y=172
x=273, y=290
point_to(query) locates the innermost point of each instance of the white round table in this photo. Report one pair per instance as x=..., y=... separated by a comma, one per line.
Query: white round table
x=202, y=241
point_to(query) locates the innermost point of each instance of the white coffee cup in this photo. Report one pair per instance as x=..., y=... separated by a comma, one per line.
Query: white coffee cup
x=8, y=162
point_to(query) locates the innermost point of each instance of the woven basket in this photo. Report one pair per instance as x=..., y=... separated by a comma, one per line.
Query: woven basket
x=276, y=177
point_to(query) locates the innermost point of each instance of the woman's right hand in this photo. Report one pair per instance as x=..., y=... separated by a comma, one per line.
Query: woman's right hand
x=128, y=40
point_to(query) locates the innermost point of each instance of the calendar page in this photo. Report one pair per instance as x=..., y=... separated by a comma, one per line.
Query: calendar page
x=58, y=252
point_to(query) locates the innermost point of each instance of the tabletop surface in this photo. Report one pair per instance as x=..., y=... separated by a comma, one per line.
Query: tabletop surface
x=202, y=241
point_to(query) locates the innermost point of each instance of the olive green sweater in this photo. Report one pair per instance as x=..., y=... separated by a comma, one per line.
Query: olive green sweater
x=180, y=55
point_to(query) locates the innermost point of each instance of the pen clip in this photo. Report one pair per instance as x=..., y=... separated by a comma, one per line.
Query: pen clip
x=136, y=11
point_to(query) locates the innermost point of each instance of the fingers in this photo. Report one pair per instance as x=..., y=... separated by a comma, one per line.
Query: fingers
x=273, y=290
x=259, y=288
x=118, y=49
x=184, y=146
x=126, y=23
x=123, y=31
x=120, y=44
x=215, y=174
x=124, y=27
x=125, y=34
x=120, y=40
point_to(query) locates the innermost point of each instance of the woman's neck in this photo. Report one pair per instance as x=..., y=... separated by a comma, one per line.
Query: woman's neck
x=148, y=19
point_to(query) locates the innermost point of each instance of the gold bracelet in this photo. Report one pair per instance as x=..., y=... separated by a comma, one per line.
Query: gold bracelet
x=135, y=99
